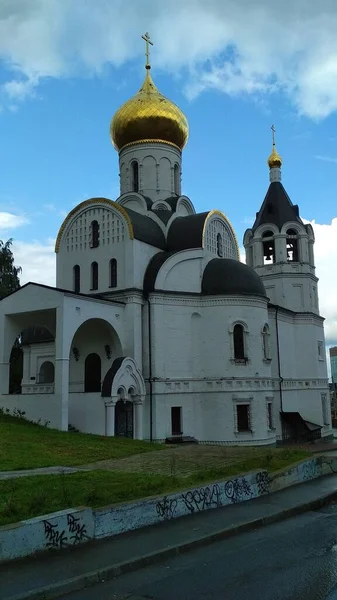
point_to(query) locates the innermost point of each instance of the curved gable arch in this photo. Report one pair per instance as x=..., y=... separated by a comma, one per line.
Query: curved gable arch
x=103, y=202
x=267, y=227
x=293, y=225
x=174, y=272
x=184, y=206
x=134, y=201
x=216, y=217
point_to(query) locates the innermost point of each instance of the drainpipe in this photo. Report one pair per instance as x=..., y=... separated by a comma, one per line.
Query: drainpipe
x=279, y=363
x=150, y=367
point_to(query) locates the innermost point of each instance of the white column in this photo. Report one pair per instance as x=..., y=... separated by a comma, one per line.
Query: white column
x=4, y=378
x=110, y=418
x=138, y=414
x=62, y=388
x=26, y=365
x=8, y=333
x=62, y=368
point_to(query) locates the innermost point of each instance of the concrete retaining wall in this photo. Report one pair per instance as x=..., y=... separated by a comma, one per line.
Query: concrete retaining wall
x=78, y=525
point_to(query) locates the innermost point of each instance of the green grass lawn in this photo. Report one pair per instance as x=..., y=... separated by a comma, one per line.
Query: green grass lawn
x=24, y=445
x=27, y=497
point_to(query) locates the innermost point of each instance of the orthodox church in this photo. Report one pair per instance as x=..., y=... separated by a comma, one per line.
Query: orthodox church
x=155, y=329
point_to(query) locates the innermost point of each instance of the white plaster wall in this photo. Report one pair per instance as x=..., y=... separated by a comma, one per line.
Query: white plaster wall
x=91, y=338
x=43, y=407
x=210, y=416
x=87, y=412
x=156, y=169
x=172, y=335
x=182, y=272
x=36, y=356
x=142, y=254
x=303, y=371
x=75, y=250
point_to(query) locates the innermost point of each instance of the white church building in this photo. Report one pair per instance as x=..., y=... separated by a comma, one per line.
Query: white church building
x=155, y=329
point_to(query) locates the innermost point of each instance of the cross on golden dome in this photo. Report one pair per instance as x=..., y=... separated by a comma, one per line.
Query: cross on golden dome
x=148, y=43
x=274, y=160
x=149, y=117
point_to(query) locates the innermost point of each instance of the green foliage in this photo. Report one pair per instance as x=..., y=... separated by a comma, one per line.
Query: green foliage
x=27, y=497
x=9, y=273
x=24, y=445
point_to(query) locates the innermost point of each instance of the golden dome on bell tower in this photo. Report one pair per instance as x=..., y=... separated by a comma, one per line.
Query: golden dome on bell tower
x=148, y=116
x=274, y=159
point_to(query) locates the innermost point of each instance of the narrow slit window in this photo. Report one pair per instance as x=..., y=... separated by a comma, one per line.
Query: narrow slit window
x=94, y=234
x=219, y=246
x=113, y=273
x=135, y=176
x=176, y=180
x=77, y=279
x=243, y=417
x=292, y=246
x=268, y=244
x=94, y=276
x=239, y=342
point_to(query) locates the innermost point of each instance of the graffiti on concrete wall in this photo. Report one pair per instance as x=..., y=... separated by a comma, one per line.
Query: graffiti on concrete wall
x=56, y=537
x=263, y=482
x=309, y=470
x=207, y=497
x=238, y=490
x=166, y=507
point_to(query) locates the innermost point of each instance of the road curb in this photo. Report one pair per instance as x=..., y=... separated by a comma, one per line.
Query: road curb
x=80, y=582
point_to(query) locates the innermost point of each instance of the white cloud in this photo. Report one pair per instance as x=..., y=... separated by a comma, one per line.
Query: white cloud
x=329, y=159
x=37, y=260
x=326, y=259
x=236, y=46
x=10, y=221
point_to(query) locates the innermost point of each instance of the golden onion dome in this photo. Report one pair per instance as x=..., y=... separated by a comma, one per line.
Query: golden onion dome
x=149, y=117
x=274, y=159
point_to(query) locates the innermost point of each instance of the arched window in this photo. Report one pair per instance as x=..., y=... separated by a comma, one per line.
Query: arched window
x=77, y=279
x=268, y=244
x=94, y=234
x=92, y=373
x=292, y=246
x=47, y=372
x=239, y=342
x=94, y=276
x=219, y=248
x=134, y=176
x=265, y=342
x=176, y=179
x=113, y=273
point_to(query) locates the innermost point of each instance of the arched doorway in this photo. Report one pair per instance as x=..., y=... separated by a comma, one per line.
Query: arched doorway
x=47, y=372
x=92, y=373
x=124, y=419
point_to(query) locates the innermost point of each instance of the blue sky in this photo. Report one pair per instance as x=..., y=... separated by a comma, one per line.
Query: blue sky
x=234, y=68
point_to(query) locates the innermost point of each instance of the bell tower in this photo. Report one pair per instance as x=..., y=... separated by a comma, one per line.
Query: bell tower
x=280, y=247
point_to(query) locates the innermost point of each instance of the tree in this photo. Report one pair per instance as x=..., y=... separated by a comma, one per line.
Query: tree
x=9, y=273
x=9, y=282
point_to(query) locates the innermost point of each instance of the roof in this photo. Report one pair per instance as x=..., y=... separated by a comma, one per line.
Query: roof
x=145, y=229
x=277, y=208
x=35, y=335
x=186, y=232
x=110, y=375
x=63, y=291
x=153, y=269
x=164, y=215
x=226, y=276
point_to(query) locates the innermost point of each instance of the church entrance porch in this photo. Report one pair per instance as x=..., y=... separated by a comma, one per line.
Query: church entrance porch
x=123, y=391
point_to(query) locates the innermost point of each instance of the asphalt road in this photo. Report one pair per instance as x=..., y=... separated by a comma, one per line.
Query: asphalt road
x=293, y=560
